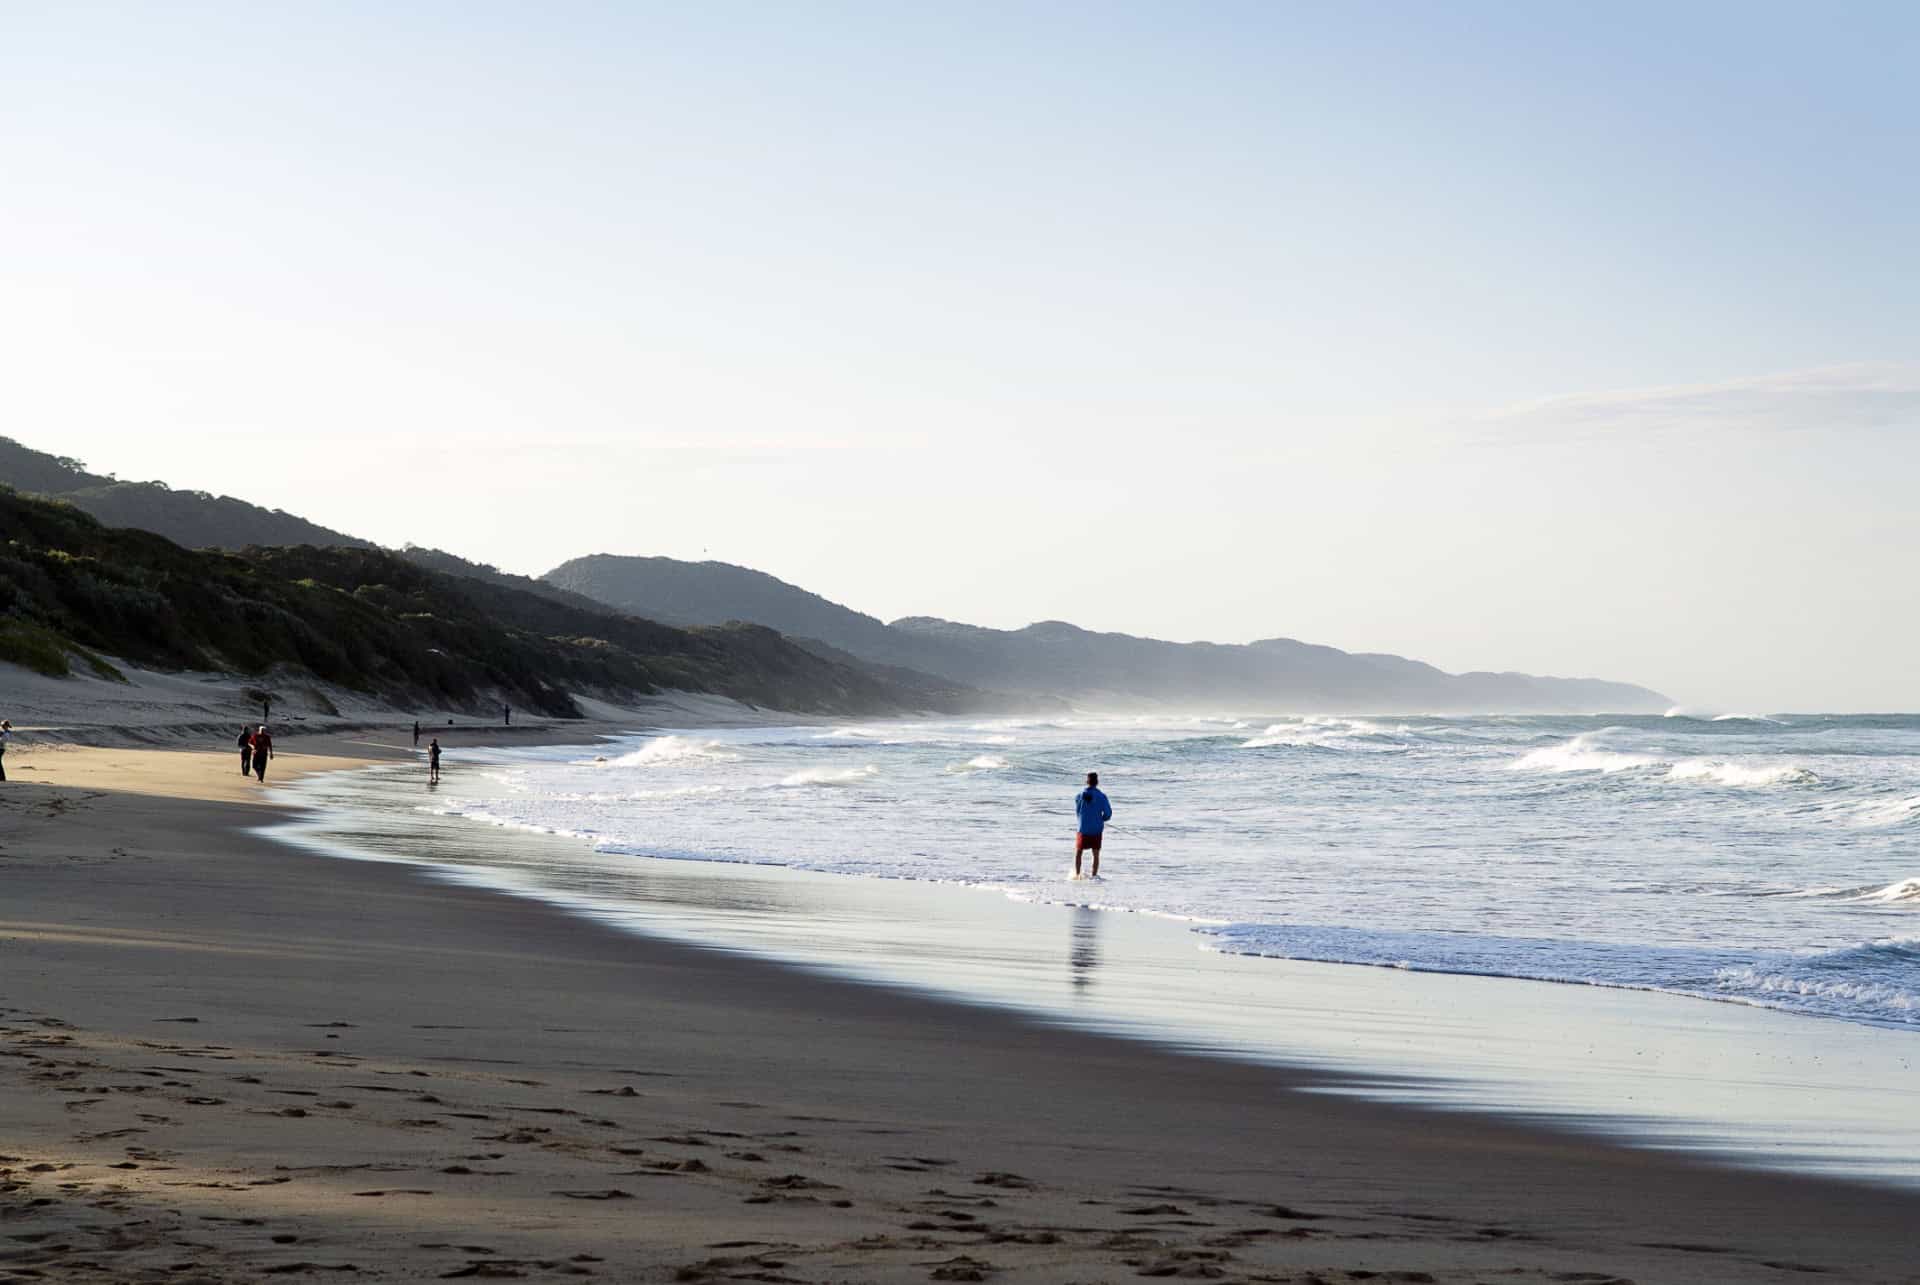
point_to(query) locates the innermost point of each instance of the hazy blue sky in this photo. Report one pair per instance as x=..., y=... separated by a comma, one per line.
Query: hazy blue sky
x=1579, y=339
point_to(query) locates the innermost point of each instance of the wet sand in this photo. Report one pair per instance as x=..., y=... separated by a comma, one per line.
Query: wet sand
x=222, y=1059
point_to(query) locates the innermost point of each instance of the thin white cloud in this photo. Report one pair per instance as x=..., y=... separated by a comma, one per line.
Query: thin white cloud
x=1855, y=396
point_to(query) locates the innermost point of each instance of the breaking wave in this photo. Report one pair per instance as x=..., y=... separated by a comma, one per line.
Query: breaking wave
x=979, y=763
x=673, y=749
x=1725, y=773
x=1890, y=812
x=829, y=776
x=1586, y=753
x=1325, y=733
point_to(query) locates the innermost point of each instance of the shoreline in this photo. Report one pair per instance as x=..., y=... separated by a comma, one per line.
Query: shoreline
x=326, y=984
x=1638, y=1066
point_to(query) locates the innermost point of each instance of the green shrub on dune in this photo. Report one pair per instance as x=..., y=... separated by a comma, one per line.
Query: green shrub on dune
x=375, y=622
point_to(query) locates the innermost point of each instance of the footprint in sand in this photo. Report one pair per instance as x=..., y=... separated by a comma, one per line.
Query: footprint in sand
x=1011, y=1181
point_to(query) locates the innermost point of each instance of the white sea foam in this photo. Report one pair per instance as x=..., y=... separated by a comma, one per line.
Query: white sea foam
x=1550, y=847
x=1906, y=890
x=1871, y=977
x=1321, y=733
x=1720, y=772
x=1586, y=753
x=829, y=776
x=673, y=749
x=1889, y=811
x=1581, y=754
x=979, y=763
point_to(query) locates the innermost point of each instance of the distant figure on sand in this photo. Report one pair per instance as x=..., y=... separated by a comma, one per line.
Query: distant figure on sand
x=506, y=715
x=246, y=750
x=6, y=734
x=1091, y=806
x=416, y=733
x=266, y=710
x=433, y=761
x=262, y=751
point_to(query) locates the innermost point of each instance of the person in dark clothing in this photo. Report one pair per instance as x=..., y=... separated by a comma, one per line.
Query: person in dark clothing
x=506, y=715
x=6, y=735
x=266, y=709
x=1094, y=812
x=416, y=733
x=262, y=751
x=246, y=750
x=433, y=761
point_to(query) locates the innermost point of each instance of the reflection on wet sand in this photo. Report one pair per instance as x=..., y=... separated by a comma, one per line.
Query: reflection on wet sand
x=1083, y=947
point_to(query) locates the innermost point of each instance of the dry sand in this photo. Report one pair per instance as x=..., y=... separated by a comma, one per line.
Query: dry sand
x=225, y=1060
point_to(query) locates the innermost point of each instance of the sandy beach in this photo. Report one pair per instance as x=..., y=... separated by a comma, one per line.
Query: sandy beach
x=227, y=1060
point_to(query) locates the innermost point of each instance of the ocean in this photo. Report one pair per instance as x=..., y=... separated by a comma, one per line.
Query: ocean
x=1770, y=861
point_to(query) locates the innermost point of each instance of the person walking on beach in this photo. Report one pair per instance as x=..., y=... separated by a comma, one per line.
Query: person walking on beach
x=262, y=751
x=506, y=716
x=6, y=734
x=266, y=709
x=433, y=761
x=416, y=733
x=246, y=750
x=1091, y=806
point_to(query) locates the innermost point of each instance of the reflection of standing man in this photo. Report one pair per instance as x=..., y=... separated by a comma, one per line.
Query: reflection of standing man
x=1083, y=947
x=1094, y=812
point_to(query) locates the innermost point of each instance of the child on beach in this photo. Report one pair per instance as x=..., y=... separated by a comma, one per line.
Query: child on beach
x=433, y=761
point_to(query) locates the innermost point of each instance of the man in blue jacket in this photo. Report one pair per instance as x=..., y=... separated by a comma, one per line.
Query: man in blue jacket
x=1094, y=812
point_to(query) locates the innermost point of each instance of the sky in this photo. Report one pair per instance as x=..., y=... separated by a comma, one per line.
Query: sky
x=1573, y=339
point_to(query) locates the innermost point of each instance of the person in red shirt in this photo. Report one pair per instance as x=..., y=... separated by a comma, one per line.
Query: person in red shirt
x=262, y=751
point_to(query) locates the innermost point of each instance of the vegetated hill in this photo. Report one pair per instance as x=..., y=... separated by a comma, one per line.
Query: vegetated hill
x=453, y=564
x=372, y=621
x=702, y=593
x=1057, y=659
x=195, y=519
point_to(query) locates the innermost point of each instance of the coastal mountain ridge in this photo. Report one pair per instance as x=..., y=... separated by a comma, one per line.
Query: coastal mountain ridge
x=195, y=519
x=1040, y=665
x=1061, y=660
x=374, y=622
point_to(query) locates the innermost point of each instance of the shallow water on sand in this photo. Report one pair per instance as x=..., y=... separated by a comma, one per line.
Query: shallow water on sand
x=1760, y=1086
x=1772, y=861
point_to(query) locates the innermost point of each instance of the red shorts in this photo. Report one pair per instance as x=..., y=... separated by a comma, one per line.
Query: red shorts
x=1086, y=843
